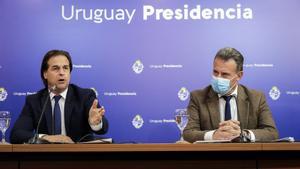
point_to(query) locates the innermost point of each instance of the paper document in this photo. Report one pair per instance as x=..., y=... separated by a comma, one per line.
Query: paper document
x=212, y=141
x=98, y=141
x=285, y=139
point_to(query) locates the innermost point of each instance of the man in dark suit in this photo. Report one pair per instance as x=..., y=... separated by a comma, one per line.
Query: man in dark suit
x=226, y=109
x=71, y=112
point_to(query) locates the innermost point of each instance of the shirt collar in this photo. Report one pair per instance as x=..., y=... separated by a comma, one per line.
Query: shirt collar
x=62, y=94
x=234, y=93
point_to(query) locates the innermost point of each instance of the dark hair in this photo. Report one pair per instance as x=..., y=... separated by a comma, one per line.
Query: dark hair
x=231, y=53
x=48, y=56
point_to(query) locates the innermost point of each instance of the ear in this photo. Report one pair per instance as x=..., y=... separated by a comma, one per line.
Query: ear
x=240, y=75
x=45, y=75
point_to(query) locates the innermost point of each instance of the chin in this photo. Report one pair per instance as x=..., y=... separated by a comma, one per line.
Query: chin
x=61, y=87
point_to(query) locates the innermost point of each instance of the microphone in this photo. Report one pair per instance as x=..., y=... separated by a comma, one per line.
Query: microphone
x=94, y=141
x=35, y=139
x=83, y=137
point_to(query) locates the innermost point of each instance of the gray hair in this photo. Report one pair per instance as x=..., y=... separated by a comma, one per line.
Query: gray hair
x=231, y=53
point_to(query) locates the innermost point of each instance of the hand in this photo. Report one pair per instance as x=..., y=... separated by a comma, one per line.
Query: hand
x=233, y=123
x=227, y=130
x=222, y=135
x=58, y=139
x=95, y=114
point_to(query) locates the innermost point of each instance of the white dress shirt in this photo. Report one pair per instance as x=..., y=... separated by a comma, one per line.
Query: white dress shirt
x=234, y=115
x=61, y=103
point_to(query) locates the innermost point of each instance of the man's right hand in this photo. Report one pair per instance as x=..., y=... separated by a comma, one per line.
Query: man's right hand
x=57, y=139
x=227, y=130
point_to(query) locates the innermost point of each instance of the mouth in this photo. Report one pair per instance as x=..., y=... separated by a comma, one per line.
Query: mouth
x=60, y=81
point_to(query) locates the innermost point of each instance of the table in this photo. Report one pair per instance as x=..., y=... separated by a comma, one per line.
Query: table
x=154, y=156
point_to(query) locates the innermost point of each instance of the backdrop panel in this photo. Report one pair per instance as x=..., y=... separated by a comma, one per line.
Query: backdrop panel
x=144, y=57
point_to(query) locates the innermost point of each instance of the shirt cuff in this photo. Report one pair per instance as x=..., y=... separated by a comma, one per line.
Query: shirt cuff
x=97, y=127
x=41, y=135
x=209, y=135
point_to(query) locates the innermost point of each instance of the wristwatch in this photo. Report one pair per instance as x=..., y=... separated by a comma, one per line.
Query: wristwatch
x=246, y=136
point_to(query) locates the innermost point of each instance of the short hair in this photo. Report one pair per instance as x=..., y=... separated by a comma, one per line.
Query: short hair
x=48, y=56
x=231, y=53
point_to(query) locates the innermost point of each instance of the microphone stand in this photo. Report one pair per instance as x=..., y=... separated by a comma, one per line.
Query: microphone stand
x=35, y=139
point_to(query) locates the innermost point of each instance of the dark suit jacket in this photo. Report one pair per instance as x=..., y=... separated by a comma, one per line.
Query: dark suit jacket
x=77, y=106
x=253, y=113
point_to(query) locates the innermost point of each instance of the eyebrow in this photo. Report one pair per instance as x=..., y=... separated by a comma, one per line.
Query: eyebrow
x=226, y=73
x=59, y=65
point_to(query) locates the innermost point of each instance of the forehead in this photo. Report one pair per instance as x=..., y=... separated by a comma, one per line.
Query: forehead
x=58, y=60
x=225, y=66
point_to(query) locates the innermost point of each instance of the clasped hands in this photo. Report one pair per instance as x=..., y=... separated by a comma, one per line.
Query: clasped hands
x=227, y=130
x=95, y=117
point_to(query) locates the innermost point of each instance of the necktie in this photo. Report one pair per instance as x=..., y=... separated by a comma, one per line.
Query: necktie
x=227, y=107
x=56, y=126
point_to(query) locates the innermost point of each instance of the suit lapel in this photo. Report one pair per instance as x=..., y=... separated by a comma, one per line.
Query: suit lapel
x=243, y=107
x=213, y=108
x=68, y=108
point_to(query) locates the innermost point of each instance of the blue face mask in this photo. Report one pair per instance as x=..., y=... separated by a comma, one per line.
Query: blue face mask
x=220, y=85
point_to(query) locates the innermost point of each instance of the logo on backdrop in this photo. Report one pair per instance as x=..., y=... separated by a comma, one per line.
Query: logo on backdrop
x=3, y=94
x=137, y=121
x=274, y=93
x=138, y=67
x=94, y=89
x=183, y=94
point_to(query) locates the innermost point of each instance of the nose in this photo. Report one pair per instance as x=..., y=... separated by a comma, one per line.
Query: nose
x=61, y=71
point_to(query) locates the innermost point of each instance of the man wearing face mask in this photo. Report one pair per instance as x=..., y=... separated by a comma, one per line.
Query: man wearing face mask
x=226, y=109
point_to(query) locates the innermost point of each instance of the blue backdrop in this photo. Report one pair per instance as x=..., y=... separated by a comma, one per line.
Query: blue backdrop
x=144, y=57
